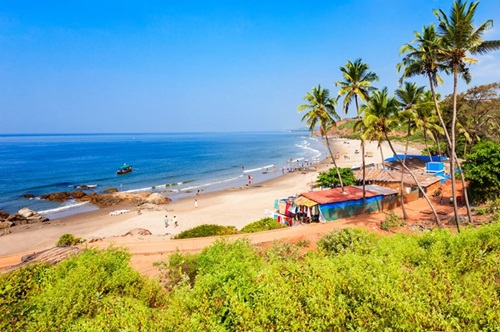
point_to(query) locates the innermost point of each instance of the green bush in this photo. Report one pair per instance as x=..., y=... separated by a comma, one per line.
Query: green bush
x=346, y=240
x=261, y=225
x=331, y=178
x=207, y=230
x=303, y=243
x=480, y=210
x=92, y=291
x=392, y=221
x=69, y=240
x=482, y=170
x=180, y=268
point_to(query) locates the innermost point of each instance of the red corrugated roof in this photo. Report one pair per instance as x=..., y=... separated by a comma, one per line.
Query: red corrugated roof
x=335, y=195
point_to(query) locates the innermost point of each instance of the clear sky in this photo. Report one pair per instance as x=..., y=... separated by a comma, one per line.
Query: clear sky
x=175, y=66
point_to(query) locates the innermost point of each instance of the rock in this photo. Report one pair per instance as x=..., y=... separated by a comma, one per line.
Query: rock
x=59, y=196
x=156, y=198
x=5, y=224
x=78, y=194
x=150, y=206
x=28, y=196
x=111, y=190
x=27, y=213
x=102, y=200
x=26, y=216
x=3, y=215
x=138, y=231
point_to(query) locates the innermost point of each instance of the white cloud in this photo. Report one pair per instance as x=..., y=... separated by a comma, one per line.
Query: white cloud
x=487, y=69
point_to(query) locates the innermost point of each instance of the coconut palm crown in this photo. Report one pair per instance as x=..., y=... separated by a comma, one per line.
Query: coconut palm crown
x=357, y=83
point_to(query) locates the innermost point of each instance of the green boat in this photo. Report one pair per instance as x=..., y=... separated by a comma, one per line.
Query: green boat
x=124, y=169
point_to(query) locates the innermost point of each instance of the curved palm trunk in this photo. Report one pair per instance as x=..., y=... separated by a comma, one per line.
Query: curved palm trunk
x=438, y=221
x=364, y=170
x=363, y=153
x=334, y=163
x=427, y=145
x=438, y=146
x=357, y=106
x=405, y=215
x=381, y=154
x=453, y=147
x=453, y=156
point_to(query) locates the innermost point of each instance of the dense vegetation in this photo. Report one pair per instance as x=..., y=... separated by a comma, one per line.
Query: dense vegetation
x=482, y=169
x=355, y=281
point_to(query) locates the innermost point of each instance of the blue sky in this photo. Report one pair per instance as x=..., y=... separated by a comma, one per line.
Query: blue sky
x=177, y=66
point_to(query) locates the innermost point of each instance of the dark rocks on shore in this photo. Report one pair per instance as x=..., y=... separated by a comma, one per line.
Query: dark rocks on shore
x=28, y=196
x=3, y=215
x=63, y=196
x=78, y=194
x=22, y=217
x=110, y=197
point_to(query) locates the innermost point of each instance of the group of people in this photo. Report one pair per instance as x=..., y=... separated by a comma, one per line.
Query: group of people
x=166, y=221
x=174, y=219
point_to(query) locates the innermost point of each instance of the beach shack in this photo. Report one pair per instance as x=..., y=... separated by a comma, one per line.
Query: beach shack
x=333, y=204
x=390, y=198
x=391, y=178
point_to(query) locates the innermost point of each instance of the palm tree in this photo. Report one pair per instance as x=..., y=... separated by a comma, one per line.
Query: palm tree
x=427, y=119
x=380, y=118
x=321, y=111
x=460, y=37
x=409, y=97
x=357, y=84
x=425, y=59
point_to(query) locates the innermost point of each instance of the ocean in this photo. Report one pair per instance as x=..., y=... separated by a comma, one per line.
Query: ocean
x=175, y=164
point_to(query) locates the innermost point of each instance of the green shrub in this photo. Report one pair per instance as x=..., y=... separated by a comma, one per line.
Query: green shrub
x=282, y=252
x=480, y=210
x=302, y=243
x=180, y=267
x=346, y=240
x=331, y=178
x=207, y=230
x=392, y=221
x=261, y=225
x=69, y=240
x=92, y=291
x=16, y=292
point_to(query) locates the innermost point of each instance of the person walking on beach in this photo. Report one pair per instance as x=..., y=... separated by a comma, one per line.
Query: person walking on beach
x=165, y=220
x=175, y=221
x=196, y=203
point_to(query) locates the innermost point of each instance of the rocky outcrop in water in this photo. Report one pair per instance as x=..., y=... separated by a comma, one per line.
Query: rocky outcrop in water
x=111, y=199
x=63, y=196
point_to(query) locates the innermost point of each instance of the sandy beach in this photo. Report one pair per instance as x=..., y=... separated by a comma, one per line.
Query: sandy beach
x=233, y=206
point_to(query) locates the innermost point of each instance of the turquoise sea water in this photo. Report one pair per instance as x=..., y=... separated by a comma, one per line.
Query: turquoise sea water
x=175, y=164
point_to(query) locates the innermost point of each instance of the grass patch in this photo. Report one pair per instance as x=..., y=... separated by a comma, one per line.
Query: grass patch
x=392, y=221
x=206, y=230
x=264, y=224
